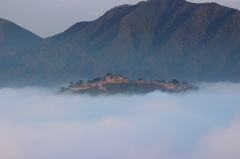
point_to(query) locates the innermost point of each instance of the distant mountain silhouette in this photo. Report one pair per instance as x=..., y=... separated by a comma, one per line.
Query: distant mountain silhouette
x=14, y=41
x=152, y=39
x=14, y=36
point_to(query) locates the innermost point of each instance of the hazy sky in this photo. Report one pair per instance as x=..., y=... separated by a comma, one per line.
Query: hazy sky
x=39, y=124
x=49, y=17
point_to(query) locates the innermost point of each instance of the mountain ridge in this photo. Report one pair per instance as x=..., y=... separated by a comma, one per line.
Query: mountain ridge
x=12, y=34
x=14, y=43
x=151, y=39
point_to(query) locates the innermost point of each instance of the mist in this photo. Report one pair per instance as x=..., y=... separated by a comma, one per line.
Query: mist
x=39, y=123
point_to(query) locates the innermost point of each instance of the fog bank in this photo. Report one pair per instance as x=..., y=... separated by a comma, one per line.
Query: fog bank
x=38, y=123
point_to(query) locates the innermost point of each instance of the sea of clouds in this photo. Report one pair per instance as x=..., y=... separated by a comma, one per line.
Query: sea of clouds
x=42, y=124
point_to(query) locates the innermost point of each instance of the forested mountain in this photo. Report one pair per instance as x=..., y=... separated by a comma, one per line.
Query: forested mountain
x=14, y=42
x=152, y=39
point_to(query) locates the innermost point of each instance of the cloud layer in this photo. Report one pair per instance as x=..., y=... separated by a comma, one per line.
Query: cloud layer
x=38, y=123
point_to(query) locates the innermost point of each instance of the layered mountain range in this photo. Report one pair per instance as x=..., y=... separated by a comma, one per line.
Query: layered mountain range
x=152, y=39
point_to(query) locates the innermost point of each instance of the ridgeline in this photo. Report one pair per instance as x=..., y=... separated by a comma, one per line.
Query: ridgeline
x=151, y=39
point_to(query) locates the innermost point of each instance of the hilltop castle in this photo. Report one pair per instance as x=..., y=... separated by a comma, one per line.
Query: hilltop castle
x=119, y=84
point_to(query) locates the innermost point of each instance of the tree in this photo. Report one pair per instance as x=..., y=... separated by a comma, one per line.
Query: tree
x=79, y=83
x=162, y=81
x=109, y=74
x=174, y=81
x=71, y=84
x=96, y=80
x=63, y=89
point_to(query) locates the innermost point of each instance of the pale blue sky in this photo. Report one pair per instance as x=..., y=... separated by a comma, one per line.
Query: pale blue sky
x=50, y=17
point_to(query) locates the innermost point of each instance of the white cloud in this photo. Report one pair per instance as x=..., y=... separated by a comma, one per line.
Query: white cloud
x=221, y=142
x=38, y=123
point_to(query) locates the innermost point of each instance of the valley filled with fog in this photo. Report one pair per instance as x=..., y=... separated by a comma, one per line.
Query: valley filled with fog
x=40, y=123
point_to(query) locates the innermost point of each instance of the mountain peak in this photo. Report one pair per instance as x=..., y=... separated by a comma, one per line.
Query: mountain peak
x=152, y=39
x=166, y=1
x=12, y=35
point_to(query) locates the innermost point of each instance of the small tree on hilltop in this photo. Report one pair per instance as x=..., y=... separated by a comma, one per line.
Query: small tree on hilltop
x=174, y=81
x=79, y=83
x=96, y=80
x=109, y=74
x=71, y=84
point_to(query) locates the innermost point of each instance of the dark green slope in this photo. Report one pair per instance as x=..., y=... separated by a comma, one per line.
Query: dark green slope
x=14, y=41
x=12, y=35
x=166, y=39
x=14, y=38
x=154, y=39
x=59, y=64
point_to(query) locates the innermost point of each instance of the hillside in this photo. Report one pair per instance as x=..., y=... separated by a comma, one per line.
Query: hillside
x=152, y=39
x=12, y=35
x=14, y=41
